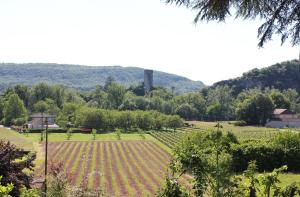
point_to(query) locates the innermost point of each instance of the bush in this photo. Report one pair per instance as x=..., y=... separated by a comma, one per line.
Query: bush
x=284, y=149
x=69, y=134
x=240, y=123
x=289, y=144
x=5, y=190
x=19, y=121
x=118, y=134
x=13, y=172
x=267, y=157
x=58, y=130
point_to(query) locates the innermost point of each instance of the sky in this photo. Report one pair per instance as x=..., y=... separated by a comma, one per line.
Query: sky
x=140, y=33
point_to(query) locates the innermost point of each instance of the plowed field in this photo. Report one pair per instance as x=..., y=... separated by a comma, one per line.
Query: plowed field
x=120, y=168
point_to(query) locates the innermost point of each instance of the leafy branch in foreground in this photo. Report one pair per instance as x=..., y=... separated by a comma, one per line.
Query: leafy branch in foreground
x=280, y=17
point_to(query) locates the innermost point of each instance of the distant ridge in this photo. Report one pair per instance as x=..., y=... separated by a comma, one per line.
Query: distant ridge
x=281, y=76
x=87, y=77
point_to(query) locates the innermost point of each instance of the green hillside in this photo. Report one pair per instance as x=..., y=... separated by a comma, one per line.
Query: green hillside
x=281, y=76
x=87, y=77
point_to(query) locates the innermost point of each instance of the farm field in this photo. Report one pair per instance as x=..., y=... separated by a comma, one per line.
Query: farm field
x=170, y=139
x=120, y=168
x=133, y=166
x=242, y=132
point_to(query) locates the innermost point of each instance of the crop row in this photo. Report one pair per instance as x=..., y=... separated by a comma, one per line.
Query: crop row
x=171, y=139
x=120, y=168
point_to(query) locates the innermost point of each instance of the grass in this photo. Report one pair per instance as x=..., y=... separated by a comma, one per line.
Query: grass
x=289, y=178
x=242, y=132
x=20, y=140
x=58, y=137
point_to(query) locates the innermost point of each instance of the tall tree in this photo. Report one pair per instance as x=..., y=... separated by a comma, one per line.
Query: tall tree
x=279, y=100
x=280, y=17
x=41, y=106
x=23, y=92
x=220, y=101
x=109, y=80
x=42, y=91
x=14, y=109
x=116, y=95
x=255, y=110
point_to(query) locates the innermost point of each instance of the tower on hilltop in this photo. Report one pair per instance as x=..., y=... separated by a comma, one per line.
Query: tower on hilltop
x=148, y=80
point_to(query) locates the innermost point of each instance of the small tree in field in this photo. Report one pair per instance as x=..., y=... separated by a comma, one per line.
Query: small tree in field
x=94, y=133
x=118, y=134
x=69, y=134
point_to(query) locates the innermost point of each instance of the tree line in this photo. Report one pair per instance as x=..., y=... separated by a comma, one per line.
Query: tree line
x=109, y=120
x=252, y=106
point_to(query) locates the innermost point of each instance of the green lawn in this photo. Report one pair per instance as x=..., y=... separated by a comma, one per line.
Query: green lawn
x=289, y=178
x=55, y=137
x=18, y=139
x=27, y=141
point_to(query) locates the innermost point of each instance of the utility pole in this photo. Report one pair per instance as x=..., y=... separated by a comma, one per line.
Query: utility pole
x=46, y=149
x=46, y=156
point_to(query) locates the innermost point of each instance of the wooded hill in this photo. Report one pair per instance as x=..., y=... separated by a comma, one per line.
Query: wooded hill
x=87, y=77
x=281, y=76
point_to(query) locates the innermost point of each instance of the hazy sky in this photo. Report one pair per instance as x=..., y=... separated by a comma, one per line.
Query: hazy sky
x=142, y=33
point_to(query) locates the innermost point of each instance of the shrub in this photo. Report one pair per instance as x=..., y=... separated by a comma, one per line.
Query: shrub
x=24, y=192
x=19, y=121
x=69, y=134
x=5, y=190
x=59, y=184
x=118, y=134
x=289, y=144
x=267, y=157
x=284, y=149
x=58, y=130
x=13, y=162
x=240, y=123
x=94, y=133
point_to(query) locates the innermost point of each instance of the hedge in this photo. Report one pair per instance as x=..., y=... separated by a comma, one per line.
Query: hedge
x=284, y=149
x=58, y=130
x=266, y=156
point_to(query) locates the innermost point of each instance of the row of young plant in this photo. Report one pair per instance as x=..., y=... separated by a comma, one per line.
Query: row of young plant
x=216, y=159
x=170, y=139
x=109, y=120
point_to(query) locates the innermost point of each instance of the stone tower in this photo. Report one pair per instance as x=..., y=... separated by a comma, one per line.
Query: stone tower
x=148, y=80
